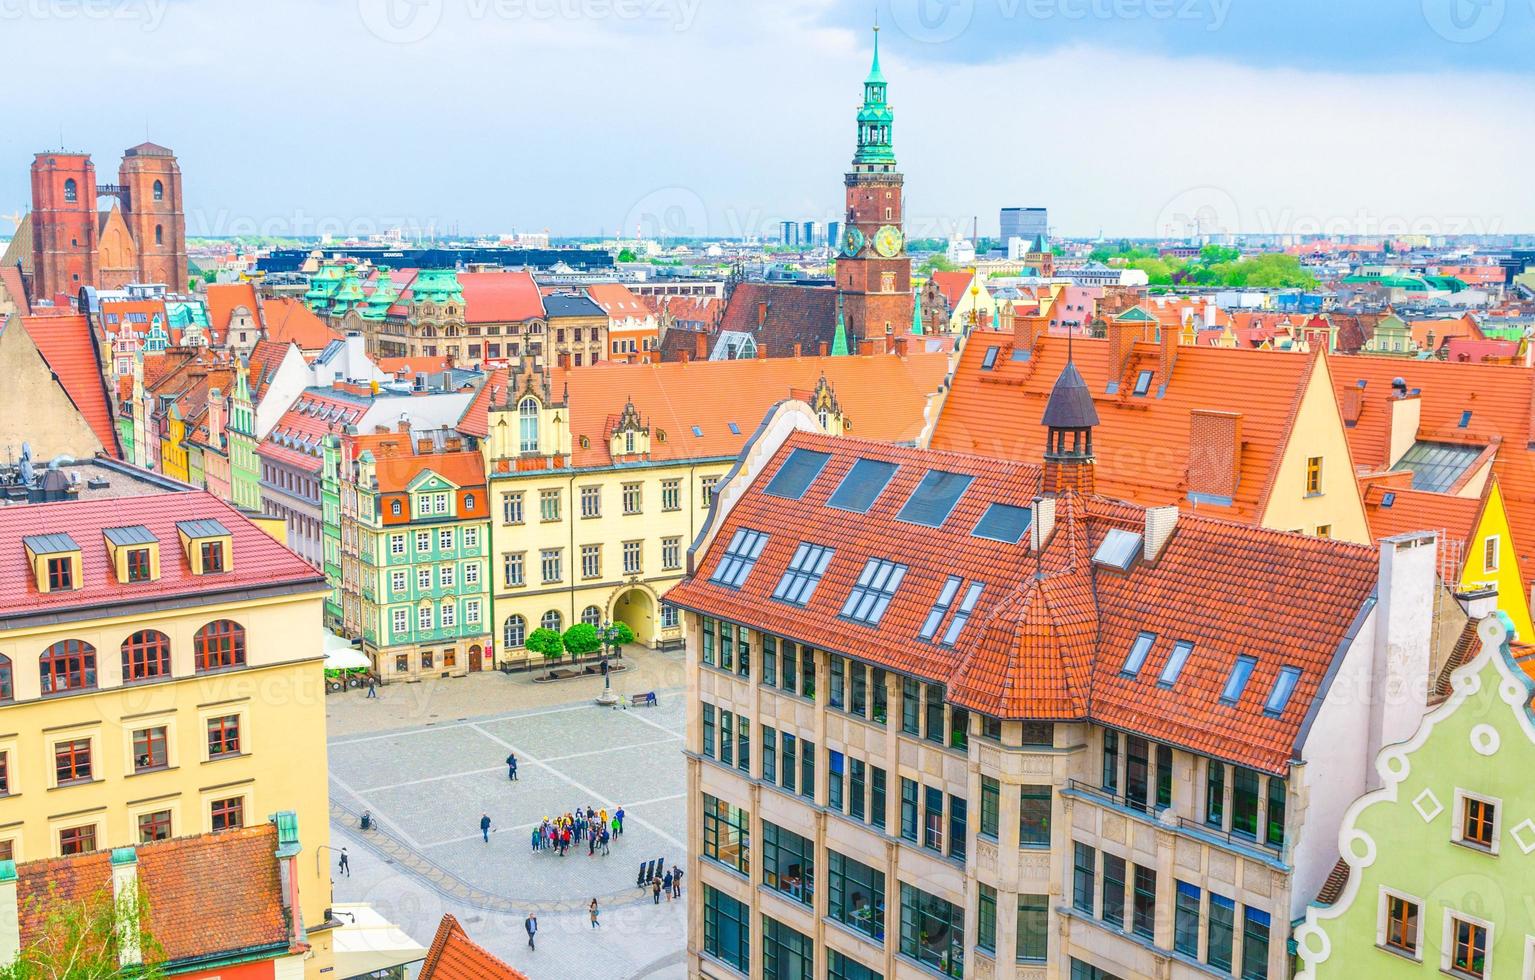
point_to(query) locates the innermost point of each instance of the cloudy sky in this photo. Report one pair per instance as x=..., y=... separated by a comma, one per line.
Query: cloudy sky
x=721, y=117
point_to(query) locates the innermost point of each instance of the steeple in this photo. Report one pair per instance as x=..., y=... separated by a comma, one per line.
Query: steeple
x=916, y=313
x=1069, y=420
x=839, y=339
x=875, y=153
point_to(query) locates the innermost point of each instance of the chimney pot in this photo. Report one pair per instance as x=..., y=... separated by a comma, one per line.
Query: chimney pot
x=823, y=348
x=1160, y=522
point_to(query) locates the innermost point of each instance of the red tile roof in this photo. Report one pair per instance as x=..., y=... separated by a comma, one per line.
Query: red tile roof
x=205, y=896
x=1142, y=443
x=288, y=319
x=258, y=559
x=68, y=344
x=953, y=285
x=617, y=301
x=1393, y=508
x=10, y=282
x=474, y=421
x=500, y=297
x=224, y=299
x=454, y=956
x=395, y=471
x=1053, y=647
x=295, y=439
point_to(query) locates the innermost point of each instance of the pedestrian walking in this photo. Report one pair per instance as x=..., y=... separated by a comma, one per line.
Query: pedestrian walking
x=677, y=882
x=666, y=884
x=604, y=842
x=618, y=821
x=485, y=826
x=592, y=911
x=655, y=889
x=372, y=686
x=346, y=866
x=531, y=925
x=511, y=767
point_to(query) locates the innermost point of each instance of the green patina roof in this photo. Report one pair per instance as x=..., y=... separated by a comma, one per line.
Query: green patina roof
x=916, y=313
x=437, y=286
x=1135, y=315
x=839, y=339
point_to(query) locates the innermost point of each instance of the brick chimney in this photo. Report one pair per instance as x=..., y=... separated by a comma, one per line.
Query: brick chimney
x=823, y=350
x=797, y=353
x=762, y=309
x=1160, y=522
x=1167, y=353
x=1215, y=453
x=866, y=346
x=762, y=352
x=902, y=344
x=1122, y=337
x=1028, y=331
x=701, y=346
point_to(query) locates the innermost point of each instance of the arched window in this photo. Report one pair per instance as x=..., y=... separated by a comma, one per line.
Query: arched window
x=591, y=616
x=146, y=654
x=68, y=665
x=159, y=234
x=468, y=501
x=527, y=422
x=515, y=633
x=552, y=620
x=394, y=508
x=159, y=191
x=220, y=644
x=71, y=191
x=7, y=690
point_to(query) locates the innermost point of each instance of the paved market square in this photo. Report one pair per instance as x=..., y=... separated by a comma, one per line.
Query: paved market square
x=426, y=760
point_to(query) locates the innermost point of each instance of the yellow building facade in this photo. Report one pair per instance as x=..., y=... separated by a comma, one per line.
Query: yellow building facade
x=160, y=676
x=1315, y=488
x=1491, y=561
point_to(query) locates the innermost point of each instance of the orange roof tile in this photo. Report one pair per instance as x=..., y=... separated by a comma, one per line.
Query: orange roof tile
x=617, y=301
x=287, y=319
x=454, y=956
x=224, y=299
x=953, y=285
x=396, y=470
x=11, y=283
x=500, y=297
x=68, y=344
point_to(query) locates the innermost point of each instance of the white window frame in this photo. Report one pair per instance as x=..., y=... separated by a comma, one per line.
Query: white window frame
x=1459, y=829
x=424, y=619
x=445, y=576
x=398, y=581
x=401, y=621
x=471, y=537
x=1447, y=941
x=423, y=578
x=472, y=616
x=397, y=544
x=423, y=541
x=445, y=539
x=448, y=616
x=472, y=573
x=1381, y=907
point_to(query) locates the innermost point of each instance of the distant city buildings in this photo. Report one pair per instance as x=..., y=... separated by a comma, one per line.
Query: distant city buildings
x=1024, y=224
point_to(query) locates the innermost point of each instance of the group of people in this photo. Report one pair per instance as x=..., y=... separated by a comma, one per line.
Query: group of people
x=670, y=883
x=596, y=827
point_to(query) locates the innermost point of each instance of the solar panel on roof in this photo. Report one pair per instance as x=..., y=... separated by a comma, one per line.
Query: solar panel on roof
x=797, y=473
x=934, y=499
x=1119, y=549
x=862, y=485
x=1003, y=522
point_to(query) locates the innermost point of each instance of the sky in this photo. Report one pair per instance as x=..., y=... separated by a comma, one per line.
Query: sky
x=723, y=117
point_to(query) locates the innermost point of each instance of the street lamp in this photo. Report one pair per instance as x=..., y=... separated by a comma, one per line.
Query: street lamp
x=605, y=635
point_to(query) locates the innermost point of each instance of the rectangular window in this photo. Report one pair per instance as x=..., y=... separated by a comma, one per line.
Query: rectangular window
x=788, y=863
x=227, y=814
x=877, y=796
x=807, y=673
x=991, y=803
x=1164, y=776
x=932, y=931
x=706, y=485
x=1477, y=821
x=1083, y=875
x=1222, y=932
x=940, y=608
x=1111, y=762
x=138, y=565
x=671, y=494
x=790, y=675
x=591, y=561
x=445, y=576
x=871, y=594
x=72, y=761
x=1468, y=950
x=727, y=929
x=1186, y=920
x=769, y=660
x=706, y=643
x=633, y=496
x=1137, y=771
x=1034, y=816
x=739, y=558
x=856, y=895
x=424, y=618
x=213, y=556
x=1279, y=694
x=1215, y=793
x=1237, y=681
x=1274, y=829
x=986, y=919
x=1401, y=932
x=838, y=671
x=60, y=574
x=727, y=830
x=424, y=579
x=1113, y=906
x=856, y=786
x=511, y=568
x=1489, y=555
x=881, y=696
x=908, y=809
x=1313, y=475
x=932, y=818
x=1136, y=658
x=1255, y=944
x=786, y=954
x=1244, y=803
x=149, y=749
x=423, y=542
x=671, y=553
x=549, y=504
x=223, y=736
x=803, y=574
x=789, y=762
x=835, y=764
x=511, y=508
x=551, y=564
x=591, y=502
x=154, y=826
x=1175, y=662
x=727, y=744
x=911, y=706
x=727, y=646
x=933, y=719
x=806, y=767
x=959, y=826
x=769, y=754
x=401, y=621
x=743, y=743
x=632, y=559
x=77, y=840
x=1144, y=921
x=1033, y=928
x=708, y=730
x=444, y=536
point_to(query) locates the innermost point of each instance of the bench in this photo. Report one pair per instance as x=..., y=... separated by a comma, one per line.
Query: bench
x=648, y=699
x=667, y=646
x=650, y=871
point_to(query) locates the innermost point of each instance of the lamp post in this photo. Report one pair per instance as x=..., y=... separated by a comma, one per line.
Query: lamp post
x=606, y=698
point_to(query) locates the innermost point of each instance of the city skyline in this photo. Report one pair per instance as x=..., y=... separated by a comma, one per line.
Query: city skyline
x=1245, y=127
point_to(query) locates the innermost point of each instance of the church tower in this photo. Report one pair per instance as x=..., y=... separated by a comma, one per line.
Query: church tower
x=1069, y=420
x=873, y=270
x=63, y=224
x=150, y=181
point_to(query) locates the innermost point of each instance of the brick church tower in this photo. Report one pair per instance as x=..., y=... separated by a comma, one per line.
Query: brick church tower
x=874, y=271
x=63, y=223
x=150, y=181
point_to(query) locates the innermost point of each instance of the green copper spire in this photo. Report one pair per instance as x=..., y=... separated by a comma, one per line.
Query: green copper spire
x=839, y=339
x=916, y=313
x=875, y=153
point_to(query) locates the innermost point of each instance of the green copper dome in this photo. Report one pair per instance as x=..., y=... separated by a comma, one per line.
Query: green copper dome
x=874, y=120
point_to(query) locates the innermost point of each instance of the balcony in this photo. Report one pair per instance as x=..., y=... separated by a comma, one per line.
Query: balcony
x=1162, y=817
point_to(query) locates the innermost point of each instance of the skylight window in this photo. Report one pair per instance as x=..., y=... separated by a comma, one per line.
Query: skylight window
x=862, y=485
x=873, y=591
x=1174, y=665
x=1137, y=656
x=990, y=360
x=735, y=430
x=1142, y=384
x=697, y=432
x=940, y=607
x=1237, y=682
x=962, y=615
x=1388, y=498
x=803, y=574
x=1003, y=522
x=1465, y=419
x=797, y=473
x=1279, y=695
x=1119, y=549
x=740, y=557
x=934, y=499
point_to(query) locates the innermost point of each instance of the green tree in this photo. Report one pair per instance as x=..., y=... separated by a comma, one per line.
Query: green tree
x=937, y=262
x=619, y=634
x=582, y=638
x=626, y=255
x=88, y=939
x=547, y=642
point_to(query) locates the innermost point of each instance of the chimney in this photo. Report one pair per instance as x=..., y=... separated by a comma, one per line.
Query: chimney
x=866, y=346
x=701, y=346
x=1160, y=522
x=797, y=354
x=1215, y=453
x=403, y=425
x=901, y=346
x=684, y=356
x=762, y=308
x=1122, y=338
x=1028, y=336
x=1352, y=404
x=1044, y=521
x=10, y=915
x=215, y=416
x=1402, y=425
x=823, y=350
x=1400, y=673
x=1167, y=354
x=125, y=896
x=762, y=352
x=356, y=353
x=288, y=849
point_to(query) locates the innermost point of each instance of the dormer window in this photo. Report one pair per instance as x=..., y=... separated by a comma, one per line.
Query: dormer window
x=55, y=561
x=212, y=556
x=139, y=565
x=60, y=574
x=134, y=553
x=207, y=544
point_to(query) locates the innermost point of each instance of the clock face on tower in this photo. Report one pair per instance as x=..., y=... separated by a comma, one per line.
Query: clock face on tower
x=887, y=241
x=852, y=242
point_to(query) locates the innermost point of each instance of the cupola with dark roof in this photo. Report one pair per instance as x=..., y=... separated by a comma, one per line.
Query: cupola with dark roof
x=1069, y=420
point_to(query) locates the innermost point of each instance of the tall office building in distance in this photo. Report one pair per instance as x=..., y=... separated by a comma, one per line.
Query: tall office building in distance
x=1025, y=223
